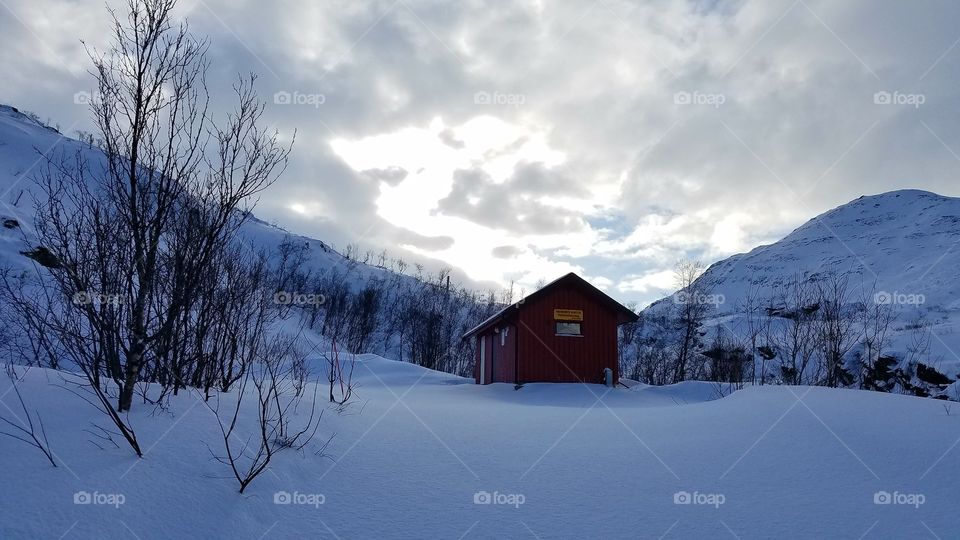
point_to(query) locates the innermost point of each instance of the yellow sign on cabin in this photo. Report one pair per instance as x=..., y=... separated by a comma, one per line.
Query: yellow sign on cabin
x=568, y=314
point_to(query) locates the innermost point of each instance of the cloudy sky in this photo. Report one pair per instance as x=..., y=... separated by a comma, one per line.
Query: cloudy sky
x=522, y=139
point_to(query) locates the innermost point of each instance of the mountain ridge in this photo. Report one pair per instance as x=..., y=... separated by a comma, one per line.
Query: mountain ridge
x=899, y=247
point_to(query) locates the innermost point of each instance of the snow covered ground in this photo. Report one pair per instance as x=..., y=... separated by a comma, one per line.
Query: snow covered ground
x=424, y=454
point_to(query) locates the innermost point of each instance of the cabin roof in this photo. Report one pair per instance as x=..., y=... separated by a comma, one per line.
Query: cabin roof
x=624, y=314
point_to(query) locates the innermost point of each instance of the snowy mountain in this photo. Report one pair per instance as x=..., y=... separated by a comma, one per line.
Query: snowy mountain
x=900, y=249
x=23, y=143
x=904, y=241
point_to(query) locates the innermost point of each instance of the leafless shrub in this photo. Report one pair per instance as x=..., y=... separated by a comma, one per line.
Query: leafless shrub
x=874, y=319
x=796, y=305
x=101, y=436
x=835, y=333
x=267, y=384
x=693, y=303
x=29, y=429
x=339, y=380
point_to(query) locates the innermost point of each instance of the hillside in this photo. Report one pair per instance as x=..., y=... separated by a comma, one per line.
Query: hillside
x=326, y=285
x=907, y=242
x=898, y=251
x=23, y=144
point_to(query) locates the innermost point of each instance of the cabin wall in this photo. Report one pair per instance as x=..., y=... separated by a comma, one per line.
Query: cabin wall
x=504, y=354
x=499, y=349
x=547, y=357
x=485, y=342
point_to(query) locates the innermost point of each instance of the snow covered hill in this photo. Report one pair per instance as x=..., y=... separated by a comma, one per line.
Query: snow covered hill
x=424, y=454
x=907, y=242
x=23, y=143
x=900, y=248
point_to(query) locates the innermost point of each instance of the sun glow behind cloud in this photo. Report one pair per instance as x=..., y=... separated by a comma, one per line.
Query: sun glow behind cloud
x=429, y=159
x=431, y=156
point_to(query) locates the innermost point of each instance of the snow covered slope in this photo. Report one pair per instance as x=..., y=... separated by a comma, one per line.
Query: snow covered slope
x=907, y=242
x=24, y=142
x=424, y=454
x=901, y=248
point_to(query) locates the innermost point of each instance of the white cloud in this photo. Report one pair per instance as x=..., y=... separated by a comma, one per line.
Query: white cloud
x=655, y=281
x=589, y=94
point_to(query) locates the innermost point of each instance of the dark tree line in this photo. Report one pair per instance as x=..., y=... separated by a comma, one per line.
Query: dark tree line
x=379, y=308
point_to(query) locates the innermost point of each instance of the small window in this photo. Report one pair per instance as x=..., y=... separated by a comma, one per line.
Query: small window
x=568, y=329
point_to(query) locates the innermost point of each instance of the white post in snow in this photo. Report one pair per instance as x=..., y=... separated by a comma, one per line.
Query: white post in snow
x=483, y=361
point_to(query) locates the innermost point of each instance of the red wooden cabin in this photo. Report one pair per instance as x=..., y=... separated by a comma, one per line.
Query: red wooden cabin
x=564, y=332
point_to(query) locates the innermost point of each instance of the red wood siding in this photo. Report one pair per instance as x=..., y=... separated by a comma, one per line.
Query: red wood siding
x=500, y=356
x=483, y=340
x=504, y=354
x=546, y=357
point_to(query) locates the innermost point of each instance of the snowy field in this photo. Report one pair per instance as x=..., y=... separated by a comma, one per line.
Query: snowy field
x=423, y=454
